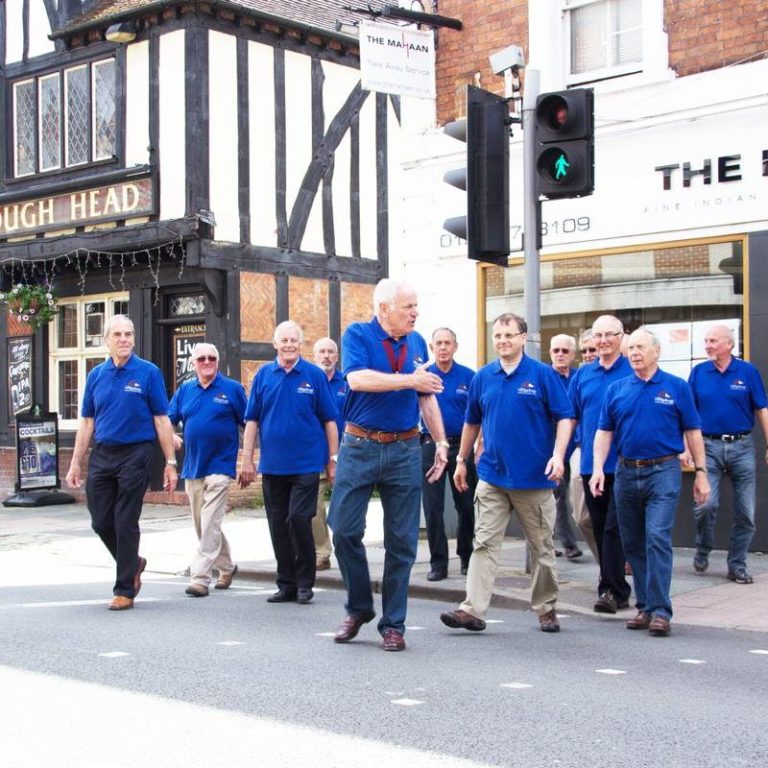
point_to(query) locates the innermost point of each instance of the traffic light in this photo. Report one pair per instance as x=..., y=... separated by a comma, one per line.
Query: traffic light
x=485, y=179
x=565, y=153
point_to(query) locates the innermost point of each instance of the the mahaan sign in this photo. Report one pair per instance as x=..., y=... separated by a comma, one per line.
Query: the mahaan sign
x=116, y=201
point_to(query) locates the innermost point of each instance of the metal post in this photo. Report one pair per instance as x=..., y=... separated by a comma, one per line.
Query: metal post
x=531, y=217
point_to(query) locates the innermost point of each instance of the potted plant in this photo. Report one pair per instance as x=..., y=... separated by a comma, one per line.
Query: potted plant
x=32, y=304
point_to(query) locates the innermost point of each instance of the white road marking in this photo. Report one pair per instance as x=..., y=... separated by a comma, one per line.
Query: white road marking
x=414, y=629
x=114, y=654
x=494, y=621
x=407, y=702
x=230, y=642
x=325, y=634
x=759, y=651
x=516, y=686
x=611, y=671
x=692, y=661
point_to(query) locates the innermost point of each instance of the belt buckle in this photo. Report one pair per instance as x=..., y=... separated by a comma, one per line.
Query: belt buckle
x=728, y=438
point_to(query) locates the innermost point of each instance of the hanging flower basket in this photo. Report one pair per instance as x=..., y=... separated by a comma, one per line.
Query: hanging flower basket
x=32, y=304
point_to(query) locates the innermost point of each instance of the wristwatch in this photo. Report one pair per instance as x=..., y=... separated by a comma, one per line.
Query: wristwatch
x=171, y=463
x=334, y=457
x=442, y=444
x=700, y=469
x=460, y=459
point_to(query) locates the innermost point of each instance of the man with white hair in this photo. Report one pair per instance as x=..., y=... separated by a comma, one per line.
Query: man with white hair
x=385, y=364
x=292, y=411
x=729, y=394
x=211, y=408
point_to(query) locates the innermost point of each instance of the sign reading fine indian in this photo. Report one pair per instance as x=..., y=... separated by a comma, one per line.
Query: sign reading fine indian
x=116, y=201
x=397, y=60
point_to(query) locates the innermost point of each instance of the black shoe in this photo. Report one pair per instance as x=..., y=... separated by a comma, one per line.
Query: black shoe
x=573, y=553
x=282, y=596
x=700, y=562
x=558, y=553
x=606, y=603
x=305, y=595
x=740, y=576
x=437, y=575
x=464, y=568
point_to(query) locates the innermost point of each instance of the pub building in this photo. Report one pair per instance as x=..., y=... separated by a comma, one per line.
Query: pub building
x=209, y=169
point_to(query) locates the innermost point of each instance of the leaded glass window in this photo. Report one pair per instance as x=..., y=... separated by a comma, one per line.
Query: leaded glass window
x=187, y=305
x=25, y=150
x=50, y=122
x=104, y=118
x=78, y=99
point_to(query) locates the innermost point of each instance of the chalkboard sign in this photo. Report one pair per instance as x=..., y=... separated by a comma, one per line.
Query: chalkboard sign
x=185, y=337
x=19, y=375
x=37, y=452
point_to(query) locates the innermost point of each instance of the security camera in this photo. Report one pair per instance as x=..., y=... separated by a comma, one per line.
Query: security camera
x=510, y=57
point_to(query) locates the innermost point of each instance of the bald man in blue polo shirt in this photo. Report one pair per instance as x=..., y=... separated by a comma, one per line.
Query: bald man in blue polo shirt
x=729, y=395
x=385, y=364
x=650, y=416
x=125, y=408
x=525, y=416
x=292, y=410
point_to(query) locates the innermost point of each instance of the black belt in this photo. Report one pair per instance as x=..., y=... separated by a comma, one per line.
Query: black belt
x=729, y=438
x=647, y=462
x=427, y=438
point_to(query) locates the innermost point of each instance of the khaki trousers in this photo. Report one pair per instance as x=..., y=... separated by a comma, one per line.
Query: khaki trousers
x=208, y=502
x=320, y=531
x=535, y=509
x=580, y=513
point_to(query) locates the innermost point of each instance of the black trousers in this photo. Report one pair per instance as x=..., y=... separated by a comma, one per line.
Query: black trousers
x=605, y=524
x=433, y=500
x=118, y=477
x=291, y=503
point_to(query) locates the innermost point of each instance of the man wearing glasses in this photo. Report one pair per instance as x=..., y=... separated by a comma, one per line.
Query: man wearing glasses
x=587, y=347
x=587, y=392
x=211, y=408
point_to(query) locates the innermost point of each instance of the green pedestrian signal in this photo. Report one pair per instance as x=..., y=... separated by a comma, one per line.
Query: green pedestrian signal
x=561, y=167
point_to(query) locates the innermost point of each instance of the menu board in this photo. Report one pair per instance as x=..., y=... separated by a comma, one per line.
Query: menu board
x=37, y=441
x=19, y=375
x=185, y=337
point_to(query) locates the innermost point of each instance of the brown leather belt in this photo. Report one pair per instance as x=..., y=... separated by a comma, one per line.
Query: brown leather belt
x=646, y=462
x=378, y=436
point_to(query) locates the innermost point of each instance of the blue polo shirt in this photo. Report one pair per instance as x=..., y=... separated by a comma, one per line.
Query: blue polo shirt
x=587, y=392
x=123, y=401
x=363, y=348
x=648, y=418
x=338, y=385
x=212, y=417
x=517, y=413
x=727, y=401
x=291, y=409
x=453, y=399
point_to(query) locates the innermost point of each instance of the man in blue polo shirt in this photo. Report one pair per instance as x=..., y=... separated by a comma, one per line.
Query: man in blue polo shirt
x=292, y=411
x=587, y=392
x=211, y=408
x=729, y=394
x=385, y=364
x=326, y=354
x=650, y=416
x=525, y=416
x=453, y=404
x=125, y=408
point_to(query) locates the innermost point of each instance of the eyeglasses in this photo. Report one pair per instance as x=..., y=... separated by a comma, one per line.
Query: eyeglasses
x=588, y=349
x=608, y=335
x=206, y=359
x=561, y=350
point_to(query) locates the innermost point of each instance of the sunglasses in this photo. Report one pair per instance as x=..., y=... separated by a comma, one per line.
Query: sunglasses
x=560, y=350
x=206, y=359
x=588, y=349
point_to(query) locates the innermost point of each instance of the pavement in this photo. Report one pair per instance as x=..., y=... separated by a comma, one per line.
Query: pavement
x=707, y=599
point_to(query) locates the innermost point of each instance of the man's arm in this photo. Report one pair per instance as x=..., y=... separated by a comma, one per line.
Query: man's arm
x=164, y=430
x=761, y=414
x=332, y=437
x=433, y=420
x=469, y=434
x=600, y=449
x=368, y=380
x=555, y=468
x=695, y=443
x=247, y=470
x=82, y=441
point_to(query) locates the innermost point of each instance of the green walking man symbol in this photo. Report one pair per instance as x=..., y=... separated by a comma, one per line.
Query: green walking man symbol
x=561, y=167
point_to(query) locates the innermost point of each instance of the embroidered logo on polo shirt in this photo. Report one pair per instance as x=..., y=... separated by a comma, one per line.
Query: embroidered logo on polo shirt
x=664, y=398
x=133, y=386
x=221, y=399
x=737, y=385
x=527, y=388
x=305, y=388
x=342, y=391
x=462, y=389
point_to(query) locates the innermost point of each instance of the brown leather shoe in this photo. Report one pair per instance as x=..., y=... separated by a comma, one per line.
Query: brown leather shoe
x=137, y=577
x=393, y=641
x=462, y=620
x=225, y=579
x=121, y=603
x=197, y=590
x=641, y=621
x=322, y=564
x=659, y=626
x=548, y=621
x=349, y=628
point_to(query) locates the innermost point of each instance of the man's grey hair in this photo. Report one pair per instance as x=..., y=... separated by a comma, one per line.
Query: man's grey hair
x=284, y=326
x=655, y=340
x=112, y=320
x=563, y=338
x=325, y=340
x=447, y=330
x=386, y=291
x=206, y=348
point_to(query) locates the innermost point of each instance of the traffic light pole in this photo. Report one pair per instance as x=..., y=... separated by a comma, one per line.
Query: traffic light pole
x=531, y=218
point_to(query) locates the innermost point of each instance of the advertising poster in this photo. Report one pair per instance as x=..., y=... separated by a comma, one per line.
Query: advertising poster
x=185, y=337
x=19, y=375
x=36, y=451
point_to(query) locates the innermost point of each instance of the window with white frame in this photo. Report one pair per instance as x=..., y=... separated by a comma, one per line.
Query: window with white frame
x=65, y=119
x=605, y=37
x=76, y=346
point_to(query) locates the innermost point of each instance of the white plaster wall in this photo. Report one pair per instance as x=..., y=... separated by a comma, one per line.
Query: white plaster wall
x=172, y=121
x=39, y=29
x=14, y=36
x=137, y=104
x=261, y=98
x=368, y=183
x=223, y=136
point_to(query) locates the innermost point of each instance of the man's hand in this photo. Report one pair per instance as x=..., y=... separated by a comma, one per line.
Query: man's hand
x=701, y=488
x=441, y=462
x=170, y=478
x=460, y=476
x=74, y=479
x=247, y=473
x=177, y=441
x=555, y=469
x=330, y=472
x=597, y=483
x=425, y=382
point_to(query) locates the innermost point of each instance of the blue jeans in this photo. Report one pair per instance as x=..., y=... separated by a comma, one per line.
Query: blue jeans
x=395, y=469
x=737, y=460
x=646, y=500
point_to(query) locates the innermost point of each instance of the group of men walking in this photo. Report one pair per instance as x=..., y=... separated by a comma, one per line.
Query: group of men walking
x=396, y=423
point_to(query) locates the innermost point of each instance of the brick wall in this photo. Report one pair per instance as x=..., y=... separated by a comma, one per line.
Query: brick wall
x=708, y=34
x=489, y=26
x=356, y=303
x=258, y=307
x=308, y=306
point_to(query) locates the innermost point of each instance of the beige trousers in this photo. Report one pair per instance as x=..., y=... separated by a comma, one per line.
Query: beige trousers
x=535, y=509
x=320, y=531
x=208, y=502
x=580, y=513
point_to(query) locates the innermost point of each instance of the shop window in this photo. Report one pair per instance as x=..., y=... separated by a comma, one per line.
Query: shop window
x=679, y=291
x=65, y=119
x=76, y=347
